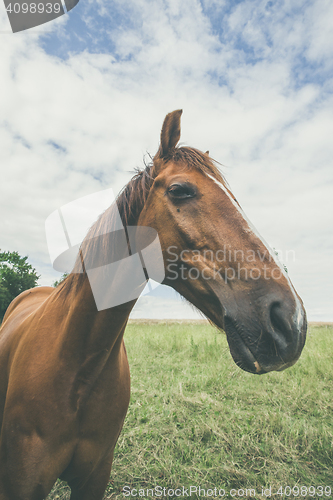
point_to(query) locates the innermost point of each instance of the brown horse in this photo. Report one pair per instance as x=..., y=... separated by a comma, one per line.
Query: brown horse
x=64, y=376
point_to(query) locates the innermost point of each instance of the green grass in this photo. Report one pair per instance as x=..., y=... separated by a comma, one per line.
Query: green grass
x=196, y=419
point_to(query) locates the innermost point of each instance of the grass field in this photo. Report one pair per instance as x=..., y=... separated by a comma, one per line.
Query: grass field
x=195, y=419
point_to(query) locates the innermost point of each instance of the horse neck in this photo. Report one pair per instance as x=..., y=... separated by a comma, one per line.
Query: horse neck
x=85, y=330
x=85, y=326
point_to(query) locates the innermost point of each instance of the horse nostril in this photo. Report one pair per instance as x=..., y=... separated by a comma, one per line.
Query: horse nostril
x=281, y=326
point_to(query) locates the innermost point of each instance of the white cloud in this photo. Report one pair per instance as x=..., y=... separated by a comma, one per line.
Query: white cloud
x=72, y=127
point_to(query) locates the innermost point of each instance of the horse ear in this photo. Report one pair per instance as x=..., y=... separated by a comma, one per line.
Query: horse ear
x=170, y=133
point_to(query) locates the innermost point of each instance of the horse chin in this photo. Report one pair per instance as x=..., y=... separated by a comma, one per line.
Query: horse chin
x=242, y=355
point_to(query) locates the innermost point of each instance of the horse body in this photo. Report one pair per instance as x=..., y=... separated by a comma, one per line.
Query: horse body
x=65, y=395
x=64, y=375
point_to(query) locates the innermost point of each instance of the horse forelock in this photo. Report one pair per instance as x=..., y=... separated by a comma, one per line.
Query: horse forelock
x=131, y=200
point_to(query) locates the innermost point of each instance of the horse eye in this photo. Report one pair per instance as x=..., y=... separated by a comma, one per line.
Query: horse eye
x=181, y=191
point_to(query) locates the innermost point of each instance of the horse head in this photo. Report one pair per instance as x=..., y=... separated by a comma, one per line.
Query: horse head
x=214, y=257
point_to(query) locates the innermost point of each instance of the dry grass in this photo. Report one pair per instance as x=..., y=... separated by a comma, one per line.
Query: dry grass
x=196, y=419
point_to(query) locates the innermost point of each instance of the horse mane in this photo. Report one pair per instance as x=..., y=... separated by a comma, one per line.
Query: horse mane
x=130, y=203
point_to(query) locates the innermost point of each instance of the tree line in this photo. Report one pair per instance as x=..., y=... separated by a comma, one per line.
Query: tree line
x=16, y=275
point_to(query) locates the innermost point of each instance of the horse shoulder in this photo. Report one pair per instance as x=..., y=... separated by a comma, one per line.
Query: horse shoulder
x=13, y=328
x=28, y=301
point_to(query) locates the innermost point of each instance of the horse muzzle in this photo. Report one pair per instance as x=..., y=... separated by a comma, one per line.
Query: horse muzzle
x=270, y=341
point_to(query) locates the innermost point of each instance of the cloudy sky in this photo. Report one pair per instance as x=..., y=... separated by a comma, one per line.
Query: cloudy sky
x=83, y=99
